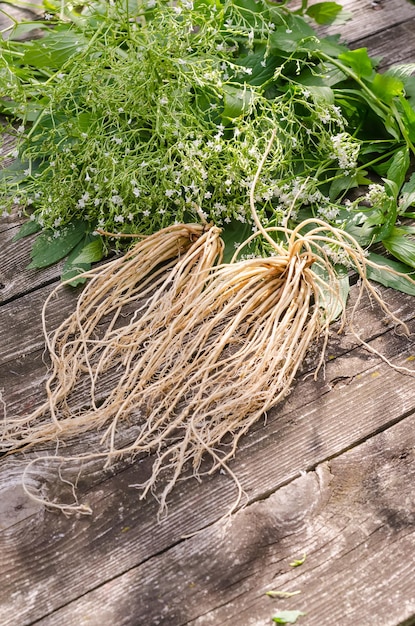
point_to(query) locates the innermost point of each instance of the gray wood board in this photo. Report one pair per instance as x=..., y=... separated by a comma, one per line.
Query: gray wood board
x=329, y=474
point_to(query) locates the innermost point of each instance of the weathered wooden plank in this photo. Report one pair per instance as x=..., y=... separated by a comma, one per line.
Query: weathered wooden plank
x=358, y=535
x=353, y=517
x=270, y=456
x=15, y=279
x=379, y=45
x=369, y=19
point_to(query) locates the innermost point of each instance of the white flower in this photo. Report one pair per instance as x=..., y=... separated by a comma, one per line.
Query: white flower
x=119, y=219
x=117, y=200
x=345, y=150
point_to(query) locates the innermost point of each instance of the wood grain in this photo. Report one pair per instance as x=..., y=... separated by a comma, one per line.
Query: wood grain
x=330, y=473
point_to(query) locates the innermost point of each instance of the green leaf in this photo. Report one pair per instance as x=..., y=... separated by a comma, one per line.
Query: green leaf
x=398, y=167
x=237, y=102
x=48, y=249
x=92, y=250
x=25, y=29
x=233, y=235
x=359, y=61
x=401, y=246
x=408, y=117
x=28, y=228
x=407, y=198
x=324, y=12
x=289, y=36
x=54, y=49
x=287, y=617
x=388, y=279
x=387, y=87
x=89, y=250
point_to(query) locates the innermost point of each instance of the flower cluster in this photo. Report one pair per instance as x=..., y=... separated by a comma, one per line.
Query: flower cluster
x=346, y=151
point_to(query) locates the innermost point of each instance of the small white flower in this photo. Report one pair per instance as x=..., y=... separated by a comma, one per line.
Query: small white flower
x=48, y=16
x=117, y=200
x=119, y=219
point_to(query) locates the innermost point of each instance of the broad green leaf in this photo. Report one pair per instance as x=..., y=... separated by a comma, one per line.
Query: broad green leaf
x=28, y=228
x=401, y=246
x=289, y=36
x=324, y=12
x=408, y=117
x=287, y=617
x=25, y=28
x=79, y=260
x=54, y=49
x=91, y=252
x=398, y=167
x=237, y=102
x=333, y=303
x=389, y=279
x=359, y=61
x=73, y=273
x=48, y=249
x=15, y=172
x=262, y=68
x=321, y=93
x=234, y=234
x=387, y=87
x=407, y=198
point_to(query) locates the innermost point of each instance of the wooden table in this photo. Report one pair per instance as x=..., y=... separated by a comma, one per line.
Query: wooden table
x=330, y=475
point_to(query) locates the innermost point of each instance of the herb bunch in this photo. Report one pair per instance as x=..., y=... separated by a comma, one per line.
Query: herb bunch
x=132, y=116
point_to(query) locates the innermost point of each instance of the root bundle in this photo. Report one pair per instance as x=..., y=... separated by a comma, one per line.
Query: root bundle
x=195, y=351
